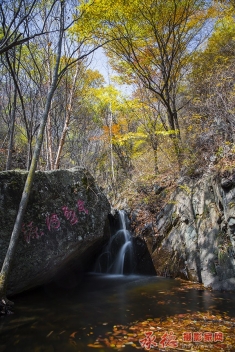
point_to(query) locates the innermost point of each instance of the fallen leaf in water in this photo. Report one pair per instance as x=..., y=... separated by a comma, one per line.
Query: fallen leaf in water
x=181, y=323
x=95, y=345
x=73, y=334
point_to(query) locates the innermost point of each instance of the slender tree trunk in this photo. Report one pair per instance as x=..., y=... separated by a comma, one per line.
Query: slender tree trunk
x=155, y=154
x=175, y=136
x=29, y=181
x=49, y=123
x=12, y=130
x=173, y=124
x=177, y=140
x=30, y=152
x=67, y=120
x=176, y=120
x=111, y=145
x=49, y=142
x=14, y=76
x=48, y=166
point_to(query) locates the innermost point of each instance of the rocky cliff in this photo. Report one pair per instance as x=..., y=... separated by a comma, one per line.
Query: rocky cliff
x=65, y=223
x=193, y=236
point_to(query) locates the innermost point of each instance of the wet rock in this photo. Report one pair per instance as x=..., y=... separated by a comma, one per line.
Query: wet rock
x=6, y=307
x=224, y=285
x=66, y=221
x=143, y=263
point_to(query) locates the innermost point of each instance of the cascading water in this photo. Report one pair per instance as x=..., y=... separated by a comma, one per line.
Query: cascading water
x=117, y=256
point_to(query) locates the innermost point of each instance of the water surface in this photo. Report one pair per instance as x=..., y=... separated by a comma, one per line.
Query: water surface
x=54, y=319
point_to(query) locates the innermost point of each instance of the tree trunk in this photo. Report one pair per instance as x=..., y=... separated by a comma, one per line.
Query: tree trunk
x=29, y=181
x=111, y=148
x=155, y=150
x=49, y=126
x=30, y=151
x=49, y=142
x=11, y=136
x=48, y=166
x=67, y=120
x=175, y=136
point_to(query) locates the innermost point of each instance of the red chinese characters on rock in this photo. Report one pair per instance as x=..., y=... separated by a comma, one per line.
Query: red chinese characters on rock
x=80, y=205
x=70, y=215
x=31, y=231
x=53, y=222
x=149, y=341
x=168, y=340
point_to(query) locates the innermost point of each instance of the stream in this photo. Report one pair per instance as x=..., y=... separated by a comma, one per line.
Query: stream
x=51, y=318
x=110, y=311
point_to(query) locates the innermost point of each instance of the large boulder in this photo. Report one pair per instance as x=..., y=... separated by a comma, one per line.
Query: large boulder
x=65, y=224
x=194, y=234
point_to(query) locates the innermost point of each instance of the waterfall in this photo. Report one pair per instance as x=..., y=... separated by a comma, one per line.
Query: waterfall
x=117, y=256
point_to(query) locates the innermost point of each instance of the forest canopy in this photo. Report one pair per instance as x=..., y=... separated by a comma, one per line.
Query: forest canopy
x=178, y=58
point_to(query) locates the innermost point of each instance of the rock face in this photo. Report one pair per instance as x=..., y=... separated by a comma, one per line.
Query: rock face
x=195, y=237
x=65, y=223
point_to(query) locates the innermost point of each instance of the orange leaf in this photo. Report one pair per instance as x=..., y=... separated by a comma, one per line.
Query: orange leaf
x=94, y=345
x=73, y=334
